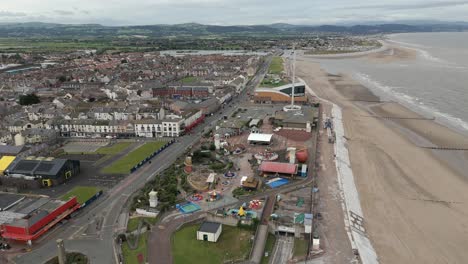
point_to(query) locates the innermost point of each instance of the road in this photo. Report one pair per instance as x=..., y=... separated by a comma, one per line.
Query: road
x=102, y=219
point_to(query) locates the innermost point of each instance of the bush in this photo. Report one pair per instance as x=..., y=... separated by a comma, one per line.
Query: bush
x=238, y=191
x=29, y=99
x=217, y=166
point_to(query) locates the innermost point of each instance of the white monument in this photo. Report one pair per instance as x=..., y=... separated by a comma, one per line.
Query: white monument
x=153, y=199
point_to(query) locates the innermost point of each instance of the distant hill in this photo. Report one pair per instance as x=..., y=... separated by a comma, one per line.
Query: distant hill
x=38, y=29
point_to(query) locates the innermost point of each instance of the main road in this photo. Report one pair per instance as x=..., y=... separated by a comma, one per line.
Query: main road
x=92, y=231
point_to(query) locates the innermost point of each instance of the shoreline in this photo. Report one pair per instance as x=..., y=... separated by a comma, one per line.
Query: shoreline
x=383, y=48
x=393, y=53
x=411, y=197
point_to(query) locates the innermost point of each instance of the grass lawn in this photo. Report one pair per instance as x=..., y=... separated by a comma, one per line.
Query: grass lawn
x=270, y=244
x=233, y=244
x=114, y=149
x=269, y=84
x=132, y=224
x=82, y=193
x=276, y=66
x=300, y=247
x=76, y=258
x=189, y=79
x=123, y=165
x=131, y=256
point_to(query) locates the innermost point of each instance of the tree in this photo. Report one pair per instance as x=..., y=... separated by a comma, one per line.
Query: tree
x=29, y=99
x=62, y=78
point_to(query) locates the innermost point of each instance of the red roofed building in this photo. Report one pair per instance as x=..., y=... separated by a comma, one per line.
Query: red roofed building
x=277, y=168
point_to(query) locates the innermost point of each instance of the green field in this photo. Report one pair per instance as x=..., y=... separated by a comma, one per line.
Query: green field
x=276, y=66
x=269, y=83
x=132, y=224
x=270, y=244
x=233, y=244
x=114, y=148
x=131, y=256
x=63, y=45
x=189, y=79
x=123, y=165
x=82, y=193
x=73, y=257
x=300, y=247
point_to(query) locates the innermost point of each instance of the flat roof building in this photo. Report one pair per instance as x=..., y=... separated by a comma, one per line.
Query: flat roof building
x=49, y=172
x=28, y=218
x=257, y=138
x=268, y=167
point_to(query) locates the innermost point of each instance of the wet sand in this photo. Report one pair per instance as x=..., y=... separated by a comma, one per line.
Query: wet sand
x=413, y=198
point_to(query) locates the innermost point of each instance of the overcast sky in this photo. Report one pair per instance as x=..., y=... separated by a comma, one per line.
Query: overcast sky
x=229, y=12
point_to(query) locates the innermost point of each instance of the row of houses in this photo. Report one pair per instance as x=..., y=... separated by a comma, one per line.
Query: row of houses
x=171, y=125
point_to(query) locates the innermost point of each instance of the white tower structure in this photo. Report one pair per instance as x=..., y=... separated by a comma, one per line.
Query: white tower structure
x=153, y=199
x=293, y=107
x=292, y=155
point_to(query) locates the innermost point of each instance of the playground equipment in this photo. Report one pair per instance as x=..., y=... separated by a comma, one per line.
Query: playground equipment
x=241, y=212
x=188, y=207
x=302, y=155
x=267, y=155
x=195, y=197
x=225, y=183
x=255, y=204
x=188, y=165
x=214, y=196
x=230, y=174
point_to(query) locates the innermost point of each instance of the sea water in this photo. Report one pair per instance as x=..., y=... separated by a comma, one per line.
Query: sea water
x=434, y=83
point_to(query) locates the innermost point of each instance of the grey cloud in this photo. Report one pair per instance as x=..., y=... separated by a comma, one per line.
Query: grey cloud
x=64, y=12
x=11, y=14
x=420, y=5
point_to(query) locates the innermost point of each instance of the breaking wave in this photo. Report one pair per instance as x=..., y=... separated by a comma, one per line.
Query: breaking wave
x=411, y=102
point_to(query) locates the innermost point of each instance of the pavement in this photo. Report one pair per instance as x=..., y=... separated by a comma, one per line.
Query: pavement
x=283, y=250
x=259, y=244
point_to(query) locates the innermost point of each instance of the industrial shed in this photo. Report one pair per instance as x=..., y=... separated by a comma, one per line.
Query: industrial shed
x=49, y=172
x=209, y=231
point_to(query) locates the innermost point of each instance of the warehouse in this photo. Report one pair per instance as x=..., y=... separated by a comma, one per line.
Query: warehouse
x=28, y=218
x=48, y=172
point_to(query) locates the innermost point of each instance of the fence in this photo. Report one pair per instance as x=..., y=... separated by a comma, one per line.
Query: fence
x=154, y=154
x=92, y=199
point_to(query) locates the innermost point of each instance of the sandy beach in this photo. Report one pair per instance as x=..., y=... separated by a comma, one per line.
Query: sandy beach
x=412, y=197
